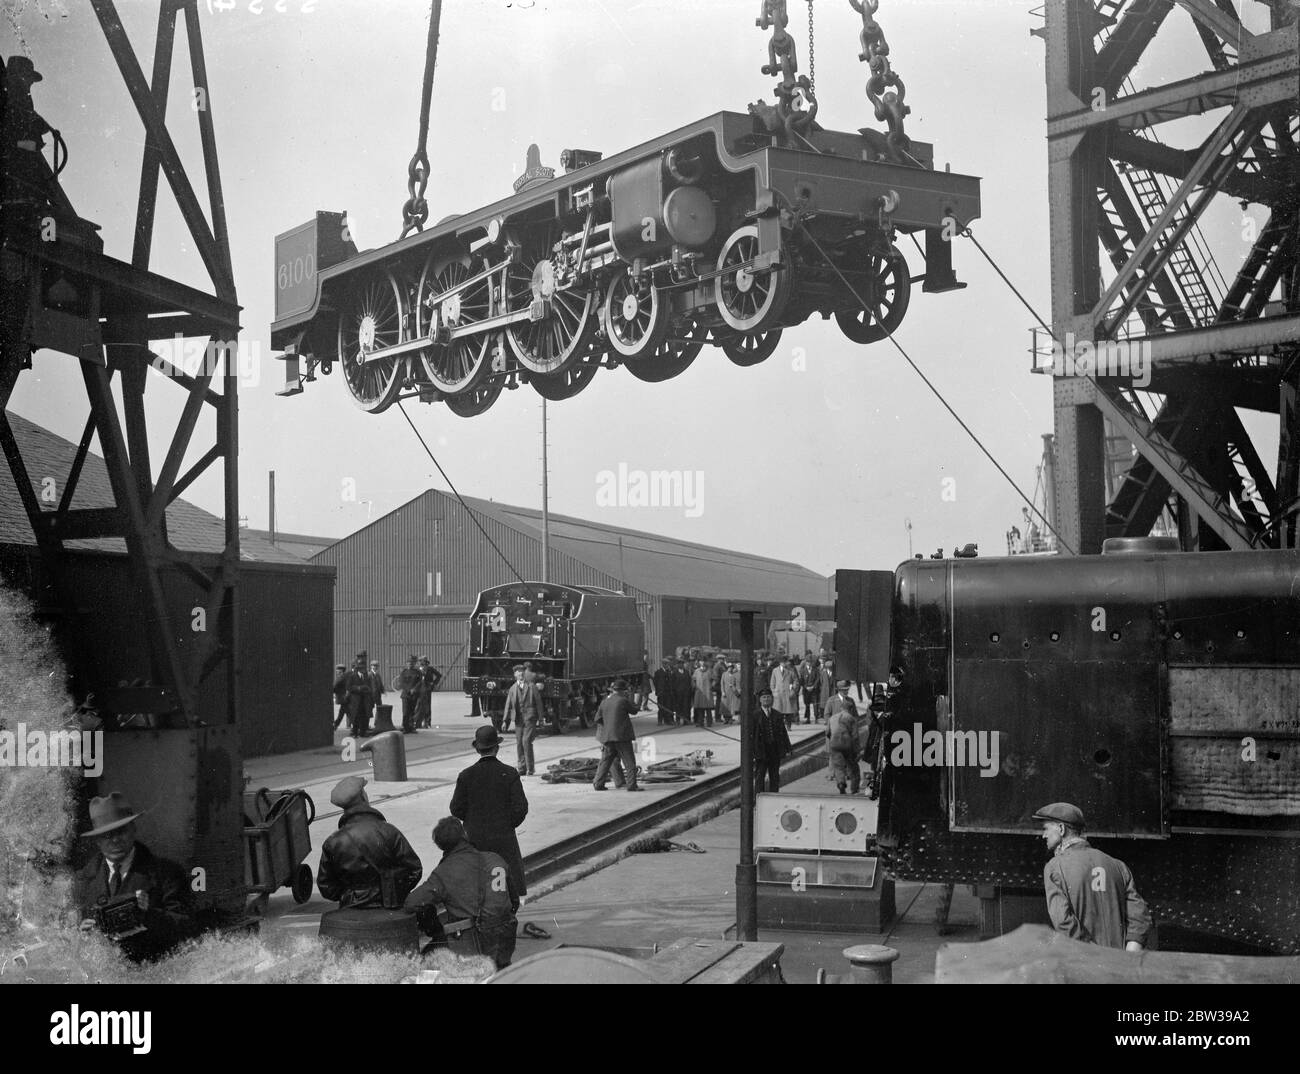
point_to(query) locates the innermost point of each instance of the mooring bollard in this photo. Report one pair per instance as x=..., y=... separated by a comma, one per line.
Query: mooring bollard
x=389, y=756
x=872, y=963
x=383, y=719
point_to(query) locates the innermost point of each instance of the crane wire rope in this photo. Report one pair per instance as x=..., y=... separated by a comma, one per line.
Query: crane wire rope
x=468, y=510
x=964, y=230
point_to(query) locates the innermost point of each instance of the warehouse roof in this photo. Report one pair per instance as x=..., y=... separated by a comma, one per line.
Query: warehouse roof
x=49, y=457
x=304, y=545
x=666, y=566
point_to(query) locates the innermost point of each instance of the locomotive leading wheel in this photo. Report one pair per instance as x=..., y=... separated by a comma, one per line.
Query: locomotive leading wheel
x=677, y=351
x=372, y=316
x=558, y=337
x=459, y=366
x=749, y=301
x=636, y=317
x=888, y=293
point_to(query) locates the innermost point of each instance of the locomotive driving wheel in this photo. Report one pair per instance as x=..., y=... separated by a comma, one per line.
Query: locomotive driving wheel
x=748, y=300
x=574, y=378
x=636, y=316
x=677, y=351
x=556, y=333
x=889, y=289
x=461, y=365
x=748, y=348
x=469, y=403
x=372, y=316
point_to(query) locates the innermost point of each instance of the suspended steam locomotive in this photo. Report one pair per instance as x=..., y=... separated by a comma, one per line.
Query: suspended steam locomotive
x=1158, y=692
x=720, y=232
x=581, y=638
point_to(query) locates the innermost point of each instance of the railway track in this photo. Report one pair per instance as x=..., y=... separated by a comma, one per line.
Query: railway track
x=542, y=865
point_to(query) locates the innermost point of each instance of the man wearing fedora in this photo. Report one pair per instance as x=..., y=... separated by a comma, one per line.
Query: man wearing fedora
x=367, y=863
x=1090, y=895
x=615, y=734
x=489, y=800
x=124, y=866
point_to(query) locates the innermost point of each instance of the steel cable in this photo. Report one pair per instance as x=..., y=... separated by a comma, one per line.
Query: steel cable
x=926, y=380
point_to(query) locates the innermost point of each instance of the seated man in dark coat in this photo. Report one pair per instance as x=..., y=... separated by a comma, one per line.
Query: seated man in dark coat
x=490, y=800
x=474, y=886
x=367, y=863
x=161, y=915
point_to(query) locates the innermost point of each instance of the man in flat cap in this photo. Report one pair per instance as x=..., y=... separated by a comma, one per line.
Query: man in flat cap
x=489, y=799
x=1090, y=895
x=125, y=867
x=367, y=863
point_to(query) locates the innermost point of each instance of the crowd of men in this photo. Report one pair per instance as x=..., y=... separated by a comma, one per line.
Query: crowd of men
x=359, y=690
x=701, y=690
x=469, y=901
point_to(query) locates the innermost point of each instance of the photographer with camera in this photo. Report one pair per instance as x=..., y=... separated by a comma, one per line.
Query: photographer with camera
x=138, y=900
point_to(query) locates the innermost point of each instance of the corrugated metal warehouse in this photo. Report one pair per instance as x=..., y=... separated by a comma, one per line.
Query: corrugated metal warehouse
x=407, y=582
x=285, y=625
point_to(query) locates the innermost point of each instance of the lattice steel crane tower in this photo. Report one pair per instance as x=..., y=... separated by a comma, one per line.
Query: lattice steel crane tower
x=1130, y=265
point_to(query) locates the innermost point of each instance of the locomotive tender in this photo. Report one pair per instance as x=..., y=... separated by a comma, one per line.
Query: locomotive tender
x=1158, y=692
x=581, y=638
x=724, y=231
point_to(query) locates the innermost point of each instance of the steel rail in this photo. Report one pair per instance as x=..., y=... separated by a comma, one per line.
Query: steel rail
x=543, y=864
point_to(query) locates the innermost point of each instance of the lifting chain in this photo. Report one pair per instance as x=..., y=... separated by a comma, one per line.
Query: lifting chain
x=812, y=54
x=888, y=104
x=790, y=117
x=415, y=212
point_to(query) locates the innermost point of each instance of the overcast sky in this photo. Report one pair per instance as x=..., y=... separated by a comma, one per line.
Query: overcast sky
x=316, y=108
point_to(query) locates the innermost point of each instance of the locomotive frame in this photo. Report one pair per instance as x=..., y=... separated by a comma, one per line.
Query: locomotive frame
x=707, y=234
x=1133, y=684
x=580, y=637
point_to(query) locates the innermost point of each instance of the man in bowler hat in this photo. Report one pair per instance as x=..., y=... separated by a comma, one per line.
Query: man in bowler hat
x=489, y=800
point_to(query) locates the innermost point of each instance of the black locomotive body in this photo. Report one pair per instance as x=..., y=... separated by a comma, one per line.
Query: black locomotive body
x=1158, y=692
x=580, y=638
x=718, y=232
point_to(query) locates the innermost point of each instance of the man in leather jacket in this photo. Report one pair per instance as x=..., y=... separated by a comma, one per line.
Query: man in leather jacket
x=355, y=859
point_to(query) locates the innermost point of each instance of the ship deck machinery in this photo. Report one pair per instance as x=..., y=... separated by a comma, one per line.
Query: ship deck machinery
x=705, y=234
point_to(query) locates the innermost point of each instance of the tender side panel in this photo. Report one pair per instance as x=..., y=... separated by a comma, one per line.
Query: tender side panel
x=1055, y=673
